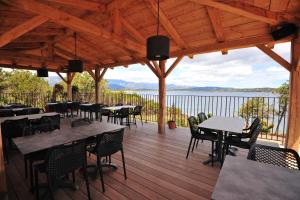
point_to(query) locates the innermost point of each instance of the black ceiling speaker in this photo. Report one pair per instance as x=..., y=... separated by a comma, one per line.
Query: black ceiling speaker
x=158, y=46
x=284, y=31
x=42, y=72
x=75, y=65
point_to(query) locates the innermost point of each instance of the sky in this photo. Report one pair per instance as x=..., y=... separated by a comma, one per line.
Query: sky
x=242, y=68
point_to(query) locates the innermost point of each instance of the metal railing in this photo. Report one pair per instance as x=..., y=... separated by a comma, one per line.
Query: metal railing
x=271, y=110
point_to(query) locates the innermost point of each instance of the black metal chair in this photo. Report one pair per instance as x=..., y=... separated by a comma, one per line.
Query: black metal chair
x=282, y=157
x=34, y=111
x=247, y=131
x=241, y=142
x=108, y=113
x=201, y=117
x=13, y=129
x=95, y=108
x=108, y=144
x=121, y=114
x=62, y=108
x=137, y=111
x=201, y=134
x=119, y=104
x=6, y=113
x=73, y=107
x=61, y=161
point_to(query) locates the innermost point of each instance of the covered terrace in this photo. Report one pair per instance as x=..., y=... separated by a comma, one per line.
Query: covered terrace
x=113, y=33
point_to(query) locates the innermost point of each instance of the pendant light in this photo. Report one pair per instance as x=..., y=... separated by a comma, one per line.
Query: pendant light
x=158, y=45
x=75, y=65
x=43, y=71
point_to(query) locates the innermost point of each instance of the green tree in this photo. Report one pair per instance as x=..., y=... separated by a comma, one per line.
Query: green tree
x=283, y=92
x=256, y=107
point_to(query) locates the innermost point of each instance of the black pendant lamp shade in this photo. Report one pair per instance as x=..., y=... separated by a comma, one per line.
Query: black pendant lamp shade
x=42, y=72
x=158, y=46
x=75, y=65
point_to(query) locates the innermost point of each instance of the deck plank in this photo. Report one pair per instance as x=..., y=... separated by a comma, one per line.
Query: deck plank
x=156, y=169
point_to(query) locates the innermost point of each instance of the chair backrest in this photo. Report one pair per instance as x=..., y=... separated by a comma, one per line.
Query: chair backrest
x=15, y=128
x=202, y=117
x=74, y=105
x=34, y=110
x=6, y=113
x=254, y=123
x=109, y=143
x=254, y=135
x=49, y=123
x=137, y=110
x=64, y=159
x=274, y=155
x=23, y=111
x=193, y=123
x=119, y=104
x=80, y=122
x=61, y=107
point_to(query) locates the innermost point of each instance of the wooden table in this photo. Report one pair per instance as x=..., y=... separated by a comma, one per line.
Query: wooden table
x=242, y=179
x=30, y=117
x=38, y=142
x=222, y=125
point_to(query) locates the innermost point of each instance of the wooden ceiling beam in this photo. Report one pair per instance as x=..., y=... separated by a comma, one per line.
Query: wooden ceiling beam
x=23, y=65
x=165, y=22
x=277, y=58
x=21, y=29
x=153, y=69
x=68, y=55
x=83, y=4
x=133, y=31
x=30, y=57
x=215, y=20
x=62, y=78
x=243, y=9
x=75, y=23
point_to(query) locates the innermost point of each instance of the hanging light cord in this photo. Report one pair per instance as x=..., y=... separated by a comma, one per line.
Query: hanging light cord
x=157, y=17
x=75, y=40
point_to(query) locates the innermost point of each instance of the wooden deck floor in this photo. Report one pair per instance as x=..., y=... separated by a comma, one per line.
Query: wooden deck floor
x=156, y=169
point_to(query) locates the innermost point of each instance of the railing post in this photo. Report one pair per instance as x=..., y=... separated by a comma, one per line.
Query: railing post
x=69, y=86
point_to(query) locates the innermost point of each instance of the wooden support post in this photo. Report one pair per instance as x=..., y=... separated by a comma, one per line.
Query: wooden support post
x=293, y=136
x=162, y=98
x=97, y=84
x=69, y=85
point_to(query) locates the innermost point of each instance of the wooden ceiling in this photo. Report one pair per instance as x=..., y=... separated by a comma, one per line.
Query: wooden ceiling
x=113, y=33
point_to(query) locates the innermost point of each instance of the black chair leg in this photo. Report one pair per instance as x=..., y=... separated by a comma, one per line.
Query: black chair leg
x=100, y=172
x=142, y=120
x=123, y=160
x=197, y=144
x=212, y=153
x=26, y=167
x=87, y=182
x=73, y=176
x=187, y=155
x=36, y=176
x=31, y=174
x=194, y=145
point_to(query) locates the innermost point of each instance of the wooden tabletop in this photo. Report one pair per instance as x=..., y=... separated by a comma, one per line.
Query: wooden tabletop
x=242, y=179
x=37, y=142
x=118, y=107
x=228, y=124
x=33, y=116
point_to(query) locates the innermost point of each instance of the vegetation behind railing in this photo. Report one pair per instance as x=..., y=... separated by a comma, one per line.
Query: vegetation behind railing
x=271, y=110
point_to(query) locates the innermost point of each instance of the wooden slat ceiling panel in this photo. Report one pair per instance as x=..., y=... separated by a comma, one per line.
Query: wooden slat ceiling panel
x=191, y=21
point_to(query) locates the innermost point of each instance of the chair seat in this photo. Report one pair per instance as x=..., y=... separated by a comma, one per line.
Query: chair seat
x=237, y=141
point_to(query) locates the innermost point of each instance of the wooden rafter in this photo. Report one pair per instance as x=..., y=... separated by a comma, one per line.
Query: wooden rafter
x=91, y=73
x=116, y=21
x=21, y=29
x=215, y=20
x=62, y=78
x=156, y=66
x=275, y=56
x=76, y=23
x=153, y=69
x=133, y=31
x=102, y=74
x=83, y=4
x=175, y=63
x=152, y=5
x=243, y=9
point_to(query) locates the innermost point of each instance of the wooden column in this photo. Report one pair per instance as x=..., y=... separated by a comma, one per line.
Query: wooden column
x=293, y=137
x=97, y=85
x=3, y=186
x=162, y=98
x=69, y=86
